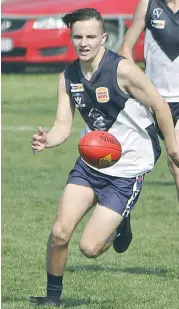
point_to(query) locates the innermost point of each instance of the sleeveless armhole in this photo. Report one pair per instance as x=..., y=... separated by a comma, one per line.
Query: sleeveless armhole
x=67, y=82
x=115, y=83
x=67, y=85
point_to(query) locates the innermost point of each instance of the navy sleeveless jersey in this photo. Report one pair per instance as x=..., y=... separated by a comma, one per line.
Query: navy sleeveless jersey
x=104, y=106
x=100, y=93
x=161, y=49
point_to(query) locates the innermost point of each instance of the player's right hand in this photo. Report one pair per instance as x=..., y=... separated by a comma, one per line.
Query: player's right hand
x=39, y=141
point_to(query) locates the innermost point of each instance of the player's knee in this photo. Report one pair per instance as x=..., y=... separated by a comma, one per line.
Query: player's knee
x=59, y=236
x=90, y=250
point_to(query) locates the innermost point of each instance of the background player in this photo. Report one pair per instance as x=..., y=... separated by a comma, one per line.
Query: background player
x=160, y=20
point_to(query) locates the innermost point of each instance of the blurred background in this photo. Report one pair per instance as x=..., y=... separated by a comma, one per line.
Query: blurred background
x=33, y=32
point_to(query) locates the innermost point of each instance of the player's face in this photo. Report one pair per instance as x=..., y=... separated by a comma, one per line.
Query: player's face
x=87, y=38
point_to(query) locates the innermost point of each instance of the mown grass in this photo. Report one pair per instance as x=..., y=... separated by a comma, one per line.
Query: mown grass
x=145, y=277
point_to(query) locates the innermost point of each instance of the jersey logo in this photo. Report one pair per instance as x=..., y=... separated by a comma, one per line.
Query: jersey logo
x=157, y=12
x=158, y=24
x=77, y=87
x=102, y=94
x=79, y=100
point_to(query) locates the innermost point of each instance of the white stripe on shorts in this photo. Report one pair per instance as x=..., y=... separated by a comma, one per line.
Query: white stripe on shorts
x=135, y=192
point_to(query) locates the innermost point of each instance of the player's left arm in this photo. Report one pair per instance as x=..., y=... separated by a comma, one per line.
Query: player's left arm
x=132, y=80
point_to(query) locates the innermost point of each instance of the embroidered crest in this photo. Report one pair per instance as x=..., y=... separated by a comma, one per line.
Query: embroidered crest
x=157, y=12
x=79, y=100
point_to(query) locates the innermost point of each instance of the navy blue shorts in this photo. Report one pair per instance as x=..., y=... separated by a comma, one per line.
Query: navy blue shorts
x=174, y=107
x=117, y=193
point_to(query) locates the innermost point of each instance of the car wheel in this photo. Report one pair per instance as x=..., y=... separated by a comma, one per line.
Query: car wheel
x=12, y=68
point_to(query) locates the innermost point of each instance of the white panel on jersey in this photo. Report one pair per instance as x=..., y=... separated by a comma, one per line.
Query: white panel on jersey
x=129, y=128
x=163, y=72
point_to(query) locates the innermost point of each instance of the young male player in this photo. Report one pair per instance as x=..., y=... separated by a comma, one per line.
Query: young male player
x=116, y=189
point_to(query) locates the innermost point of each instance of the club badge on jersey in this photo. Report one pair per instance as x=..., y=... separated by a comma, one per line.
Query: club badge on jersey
x=78, y=99
x=157, y=23
x=157, y=12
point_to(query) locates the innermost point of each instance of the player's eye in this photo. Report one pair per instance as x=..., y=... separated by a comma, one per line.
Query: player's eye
x=91, y=36
x=76, y=36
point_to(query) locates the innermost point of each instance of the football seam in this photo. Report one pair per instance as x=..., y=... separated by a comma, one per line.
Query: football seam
x=98, y=147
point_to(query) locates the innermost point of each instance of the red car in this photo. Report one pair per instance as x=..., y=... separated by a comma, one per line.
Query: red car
x=33, y=31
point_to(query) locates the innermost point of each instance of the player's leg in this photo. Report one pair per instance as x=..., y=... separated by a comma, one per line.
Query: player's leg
x=118, y=198
x=100, y=231
x=173, y=168
x=76, y=200
x=174, y=107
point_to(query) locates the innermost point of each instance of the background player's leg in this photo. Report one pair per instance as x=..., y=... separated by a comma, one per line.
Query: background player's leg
x=173, y=168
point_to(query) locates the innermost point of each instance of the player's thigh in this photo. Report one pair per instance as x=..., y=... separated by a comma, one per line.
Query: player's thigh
x=115, y=201
x=177, y=139
x=99, y=228
x=76, y=200
x=177, y=130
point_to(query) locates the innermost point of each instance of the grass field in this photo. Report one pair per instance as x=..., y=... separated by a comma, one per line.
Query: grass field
x=145, y=277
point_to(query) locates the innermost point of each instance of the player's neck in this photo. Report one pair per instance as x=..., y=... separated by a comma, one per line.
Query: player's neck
x=173, y=5
x=89, y=67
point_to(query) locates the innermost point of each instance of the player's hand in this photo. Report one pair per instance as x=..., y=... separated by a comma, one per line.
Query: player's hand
x=39, y=141
x=175, y=158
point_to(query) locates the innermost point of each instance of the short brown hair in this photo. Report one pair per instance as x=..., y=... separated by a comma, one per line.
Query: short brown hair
x=82, y=14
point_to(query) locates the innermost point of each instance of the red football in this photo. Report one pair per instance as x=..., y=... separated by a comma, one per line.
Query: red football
x=100, y=149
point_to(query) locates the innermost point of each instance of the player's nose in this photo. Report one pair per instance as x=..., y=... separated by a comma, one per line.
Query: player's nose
x=83, y=41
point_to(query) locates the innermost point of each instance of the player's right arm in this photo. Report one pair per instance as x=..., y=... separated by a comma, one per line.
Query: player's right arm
x=61, y=128
x=134, y=31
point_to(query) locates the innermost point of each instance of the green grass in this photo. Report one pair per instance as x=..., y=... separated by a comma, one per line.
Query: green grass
x=145, y=277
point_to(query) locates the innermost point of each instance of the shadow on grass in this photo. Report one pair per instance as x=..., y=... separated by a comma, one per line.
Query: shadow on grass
x=71, y=303
x=130, y=270
x=65, y=302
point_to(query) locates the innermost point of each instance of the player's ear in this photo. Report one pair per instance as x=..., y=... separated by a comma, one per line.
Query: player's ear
x=104, y=38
